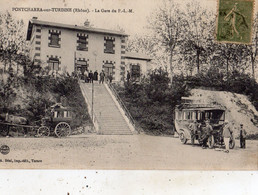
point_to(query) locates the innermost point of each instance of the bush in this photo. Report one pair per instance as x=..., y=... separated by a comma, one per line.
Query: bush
x=235, y=82
x=152, y=103
x=32, y=96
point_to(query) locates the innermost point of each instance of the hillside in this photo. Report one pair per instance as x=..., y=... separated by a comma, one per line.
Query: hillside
x=32, y=96
x=238, y=108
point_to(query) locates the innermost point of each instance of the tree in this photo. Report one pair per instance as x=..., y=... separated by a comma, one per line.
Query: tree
x=230, y=57
x=167, y=24
x=253, y=48
x=198, y=38
x=13, y=46
x=147, y=45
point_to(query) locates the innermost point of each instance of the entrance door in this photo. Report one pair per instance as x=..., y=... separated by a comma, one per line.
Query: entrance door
x=108, y=69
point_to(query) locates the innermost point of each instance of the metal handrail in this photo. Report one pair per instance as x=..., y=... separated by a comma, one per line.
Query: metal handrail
x=122, y=105
x=94, y=114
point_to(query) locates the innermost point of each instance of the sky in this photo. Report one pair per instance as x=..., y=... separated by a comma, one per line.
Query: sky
x=132, y=23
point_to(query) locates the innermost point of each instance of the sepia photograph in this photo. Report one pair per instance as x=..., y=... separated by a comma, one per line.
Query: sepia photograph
x=129, y=85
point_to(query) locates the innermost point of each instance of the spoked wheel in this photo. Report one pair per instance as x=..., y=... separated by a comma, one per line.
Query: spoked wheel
x=62, y=129
x=211, y=141
x=182, y=137
x=44, y=131
x=4, y=129
x=231, y=142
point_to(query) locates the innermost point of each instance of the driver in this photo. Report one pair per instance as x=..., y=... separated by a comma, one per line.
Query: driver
x=193, y=128
x=207, y=132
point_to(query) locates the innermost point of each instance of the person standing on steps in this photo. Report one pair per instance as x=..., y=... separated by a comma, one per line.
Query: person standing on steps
x=86, y=76
x=102, y=77
x=91, y=76
x=96, y=75
x=242, y=136
x=110, y=78
x=226, y=135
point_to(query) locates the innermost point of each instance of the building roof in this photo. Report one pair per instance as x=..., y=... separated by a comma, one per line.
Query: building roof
x=71, y=27
x=139, y=56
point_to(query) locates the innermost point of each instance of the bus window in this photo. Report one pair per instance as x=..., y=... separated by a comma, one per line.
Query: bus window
x=65, y=114
x=194, y=115
x=179, y=115
x=198, y=116
x=188, y=115
x=207, y=115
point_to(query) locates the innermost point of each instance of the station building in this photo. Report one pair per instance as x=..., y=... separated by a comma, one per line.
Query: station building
x=72, y=48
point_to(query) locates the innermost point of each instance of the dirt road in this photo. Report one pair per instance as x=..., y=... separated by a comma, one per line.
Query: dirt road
x=122, y=152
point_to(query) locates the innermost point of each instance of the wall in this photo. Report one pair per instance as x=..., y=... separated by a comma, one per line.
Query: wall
x=144, y=65
x=66, y=52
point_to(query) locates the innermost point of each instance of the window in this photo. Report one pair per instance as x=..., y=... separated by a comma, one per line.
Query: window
x=82, y=42
x=54, y=38
x=81, y=66
x=109, y=46
x=53, y=64
x=135, y=71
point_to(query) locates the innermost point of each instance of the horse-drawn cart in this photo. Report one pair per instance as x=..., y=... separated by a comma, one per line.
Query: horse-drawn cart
x=57, y=122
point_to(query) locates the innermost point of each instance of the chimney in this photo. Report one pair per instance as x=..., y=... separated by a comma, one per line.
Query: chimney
x=87, y=23
x=34, y=18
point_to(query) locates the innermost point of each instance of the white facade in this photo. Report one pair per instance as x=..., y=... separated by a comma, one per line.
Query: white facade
x=68, y=55
x=137, y=59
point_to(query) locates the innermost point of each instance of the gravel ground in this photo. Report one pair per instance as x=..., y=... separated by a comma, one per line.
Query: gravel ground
x=123, y=152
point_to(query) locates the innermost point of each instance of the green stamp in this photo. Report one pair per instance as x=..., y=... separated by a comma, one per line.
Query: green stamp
x=234, y=21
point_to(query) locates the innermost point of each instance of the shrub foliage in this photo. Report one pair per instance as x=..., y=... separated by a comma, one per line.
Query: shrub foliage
x=30, y=95
x=152, y=102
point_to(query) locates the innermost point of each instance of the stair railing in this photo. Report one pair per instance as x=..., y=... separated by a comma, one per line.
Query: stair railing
x=121, y=103
x=94, y=119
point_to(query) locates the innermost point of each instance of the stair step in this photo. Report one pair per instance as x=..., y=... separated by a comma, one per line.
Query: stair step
x=115, y=133
x=115, y=128
x=110, y=119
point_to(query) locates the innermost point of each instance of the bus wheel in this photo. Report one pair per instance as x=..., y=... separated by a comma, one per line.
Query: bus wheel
x=211, y=141
x=182, y=137
x=231, y=142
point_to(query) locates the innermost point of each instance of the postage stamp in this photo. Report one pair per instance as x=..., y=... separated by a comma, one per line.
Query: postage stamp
x=234, y=21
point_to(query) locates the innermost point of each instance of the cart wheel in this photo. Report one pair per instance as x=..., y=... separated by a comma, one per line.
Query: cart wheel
x=231, y=142
x=4, y=130
x=211, y=141
x=44, y=131
x=182, y=138
x=62, y=129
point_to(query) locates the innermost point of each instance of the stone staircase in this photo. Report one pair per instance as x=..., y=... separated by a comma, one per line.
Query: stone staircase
x=107, y=117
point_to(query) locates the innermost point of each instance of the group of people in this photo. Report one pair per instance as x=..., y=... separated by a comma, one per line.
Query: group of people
x=226, y=134
x=89, y=76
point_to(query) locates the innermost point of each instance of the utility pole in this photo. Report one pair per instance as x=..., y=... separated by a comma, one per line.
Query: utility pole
x=92, y=92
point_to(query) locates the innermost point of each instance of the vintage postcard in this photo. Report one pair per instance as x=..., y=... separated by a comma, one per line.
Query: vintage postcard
x=128, y=85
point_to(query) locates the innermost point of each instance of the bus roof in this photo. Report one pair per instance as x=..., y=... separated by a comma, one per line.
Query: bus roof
x=200, y=107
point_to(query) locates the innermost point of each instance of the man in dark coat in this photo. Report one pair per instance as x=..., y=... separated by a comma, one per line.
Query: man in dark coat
x=242, y=136
x=206, y=133
x=110, y=78
x=194, y=126
x=102, y=77
x=91, y=76
x=96, y=75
